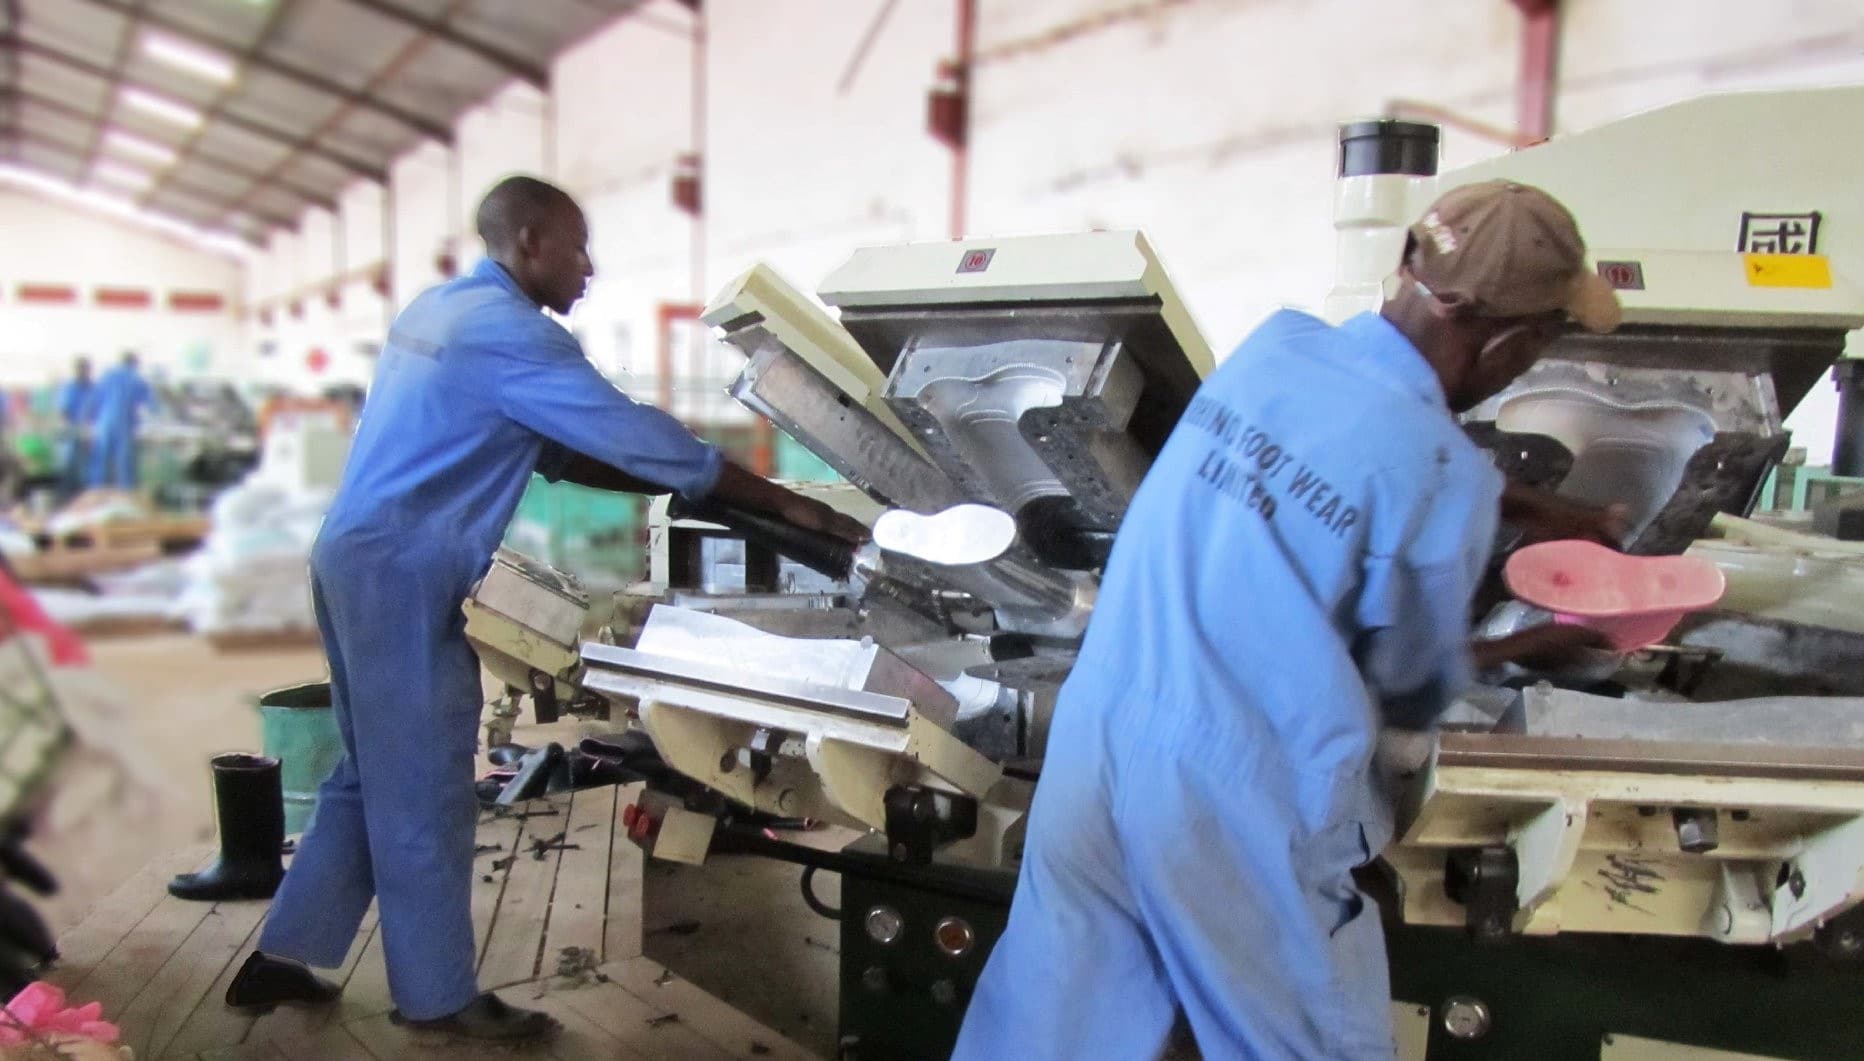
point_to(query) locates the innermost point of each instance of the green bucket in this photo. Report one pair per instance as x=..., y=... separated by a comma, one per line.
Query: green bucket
x=298, y=728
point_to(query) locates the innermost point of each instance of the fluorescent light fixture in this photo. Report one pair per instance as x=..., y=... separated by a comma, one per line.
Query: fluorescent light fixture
x=116, y=206
x=131, y=144
x=119, y=174
x=190, y=58
x=161, y=107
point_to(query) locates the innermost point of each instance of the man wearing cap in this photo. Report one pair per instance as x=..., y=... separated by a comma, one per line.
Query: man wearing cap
x=1295, y=571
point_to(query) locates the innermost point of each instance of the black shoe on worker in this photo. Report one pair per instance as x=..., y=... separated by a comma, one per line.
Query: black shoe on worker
x=265, y=982
x=487, y=1019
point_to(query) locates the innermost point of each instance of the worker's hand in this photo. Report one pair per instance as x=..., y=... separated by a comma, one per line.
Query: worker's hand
x=811, y=514
x=1555, y=518
x=1550, y=646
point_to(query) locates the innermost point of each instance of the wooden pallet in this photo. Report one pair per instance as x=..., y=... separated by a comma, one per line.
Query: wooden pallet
x=267, y=640
x=161, y=966
x=73, y=566
x=166, y=533
x=75, y=556
x=127, y=626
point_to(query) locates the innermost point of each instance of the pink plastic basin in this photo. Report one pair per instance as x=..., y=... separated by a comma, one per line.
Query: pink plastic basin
x=1633, y=600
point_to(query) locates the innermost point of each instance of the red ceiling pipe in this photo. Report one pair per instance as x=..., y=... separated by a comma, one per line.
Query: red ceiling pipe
x=1540, y=56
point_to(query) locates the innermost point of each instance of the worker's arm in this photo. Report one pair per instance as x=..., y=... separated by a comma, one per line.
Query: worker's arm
x=613, y=442
x=1430, y=533
x=562, y=465
x=545, y=384
x=736, y=486
x=1546, y=516
x=742, y=488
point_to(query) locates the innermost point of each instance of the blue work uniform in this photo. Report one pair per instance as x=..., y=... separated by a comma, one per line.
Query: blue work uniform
x=115, y=407
x=74, y=406
x=1297, y=567
x=475, y=390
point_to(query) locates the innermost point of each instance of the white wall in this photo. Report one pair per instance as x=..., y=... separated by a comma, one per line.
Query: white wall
x=422, y=195
x=503, y=136
x=618, y=160
x=362, y=320
x=47, y=242
x=316, y=314
x=804, y=163
x=363, y=207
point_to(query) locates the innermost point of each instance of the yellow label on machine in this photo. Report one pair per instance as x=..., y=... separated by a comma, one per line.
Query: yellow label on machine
x=1788, y=270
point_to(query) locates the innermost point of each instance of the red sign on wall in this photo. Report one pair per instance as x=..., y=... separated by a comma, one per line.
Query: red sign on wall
x=48, y=294
x=196, y=302
x=123, y=297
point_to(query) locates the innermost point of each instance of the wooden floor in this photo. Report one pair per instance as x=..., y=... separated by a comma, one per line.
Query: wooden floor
x=556, y=906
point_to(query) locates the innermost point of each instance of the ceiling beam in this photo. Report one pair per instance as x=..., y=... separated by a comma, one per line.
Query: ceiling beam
x=298, y=144
x=388, y=71
x=521, y=67
x=9, y=50
x=207, y=197
x=309, y=196
x=246, y=238
x=126, y=41
x=310, y=79
x=190, y=147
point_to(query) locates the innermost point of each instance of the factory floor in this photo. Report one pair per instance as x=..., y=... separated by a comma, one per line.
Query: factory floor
x=136, y=784
x=122, y=821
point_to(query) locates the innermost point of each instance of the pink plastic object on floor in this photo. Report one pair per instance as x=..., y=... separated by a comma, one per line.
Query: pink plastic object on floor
x=39, y=1011
x=1634, y=601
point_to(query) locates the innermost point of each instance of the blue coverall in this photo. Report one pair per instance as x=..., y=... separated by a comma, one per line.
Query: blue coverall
x=74, y=407
x=475, y=390
x=1298, y=564
x=115, y=403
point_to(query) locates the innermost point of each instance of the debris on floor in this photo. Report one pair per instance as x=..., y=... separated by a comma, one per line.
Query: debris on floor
x=539, y=848
x=577, y=962
x=505, y=813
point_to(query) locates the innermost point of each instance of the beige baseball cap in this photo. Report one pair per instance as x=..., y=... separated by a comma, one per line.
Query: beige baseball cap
x=1513, y=251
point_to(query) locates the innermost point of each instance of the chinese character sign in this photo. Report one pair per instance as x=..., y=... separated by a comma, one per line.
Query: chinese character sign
x=1779, y=233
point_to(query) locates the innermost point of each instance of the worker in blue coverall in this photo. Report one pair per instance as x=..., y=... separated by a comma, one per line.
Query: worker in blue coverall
x=1296, y=570
x=476, y=389
x=116, y=406
x=74, y=448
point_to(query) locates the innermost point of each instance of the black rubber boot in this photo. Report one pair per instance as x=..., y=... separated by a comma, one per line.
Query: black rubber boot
x=24, y=931
x=249, y=800
x=487, y=1019
x=19, y=864
x=265, y=982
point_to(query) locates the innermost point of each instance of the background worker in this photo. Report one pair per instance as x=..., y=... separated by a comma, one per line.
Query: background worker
x=116, y=405
x=475, y=390
x=1296, y=569
x=74, y=406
